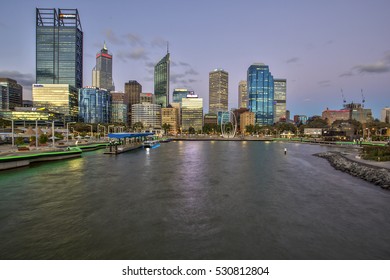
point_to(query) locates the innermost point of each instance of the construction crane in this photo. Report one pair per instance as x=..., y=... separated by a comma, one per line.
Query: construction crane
x=363, y=98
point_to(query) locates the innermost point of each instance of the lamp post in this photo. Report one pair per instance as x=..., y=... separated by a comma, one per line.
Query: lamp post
x=67, y=131
x=91, y=129
x=36, y=134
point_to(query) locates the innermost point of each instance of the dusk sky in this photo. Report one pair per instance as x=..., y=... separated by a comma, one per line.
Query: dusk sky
x=320, y=47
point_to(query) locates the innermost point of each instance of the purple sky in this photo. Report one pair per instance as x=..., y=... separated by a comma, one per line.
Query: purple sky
x=320, y=47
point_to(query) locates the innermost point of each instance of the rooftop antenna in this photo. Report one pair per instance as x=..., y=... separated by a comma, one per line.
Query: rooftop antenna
x=167, y=47
x=363, y=98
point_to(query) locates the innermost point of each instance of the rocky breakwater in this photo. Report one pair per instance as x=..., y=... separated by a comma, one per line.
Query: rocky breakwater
x=373, y=174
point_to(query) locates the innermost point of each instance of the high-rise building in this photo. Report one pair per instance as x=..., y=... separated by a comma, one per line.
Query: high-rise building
x=161, y=81
x=280, y=90
x=170, y=117
x=11, y=94
x=192, y=113
x=148, y=114
x=102, y=72
x=60, y=98
x=385, y=115
x=94, y=105
x=118, y=107
x=133, y=91
x=261, y=93
x=180, y=93
x=242, y=95
x=59, y=47
x=218, y=91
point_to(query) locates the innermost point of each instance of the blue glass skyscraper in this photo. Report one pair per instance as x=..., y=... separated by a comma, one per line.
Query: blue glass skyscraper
x=261, y=93
x=94, y=105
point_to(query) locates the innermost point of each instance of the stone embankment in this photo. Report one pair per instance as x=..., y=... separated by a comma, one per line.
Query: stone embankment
x=373, y=174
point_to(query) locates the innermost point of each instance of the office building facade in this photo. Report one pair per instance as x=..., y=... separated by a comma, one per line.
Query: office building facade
x=385, y=115
x=119, y=108
x=161, y=81
x=192, y=113
x=57, y=98
x=246, y=119
x=170, y=117
x=102, y=72
x=261, y=93
x=218, y=91
x=11, y=94
x=280, y=94
x=180, y=93
x=133, y=91
x=148, y=114
x=59, y=47
x=242, y=95
x=94, y=105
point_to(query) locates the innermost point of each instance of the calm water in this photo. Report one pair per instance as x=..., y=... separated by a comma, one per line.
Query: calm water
x=193, y=200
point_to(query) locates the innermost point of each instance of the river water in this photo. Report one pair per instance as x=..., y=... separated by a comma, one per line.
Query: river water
x=193, y=200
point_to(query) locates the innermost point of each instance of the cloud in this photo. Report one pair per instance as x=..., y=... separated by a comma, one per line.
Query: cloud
x=134, y=39
x=379, y=67
x=113, y=38
x=159, y=42
x=292, y=60
x=26, y=80
x=134, y=54
x=324, y=83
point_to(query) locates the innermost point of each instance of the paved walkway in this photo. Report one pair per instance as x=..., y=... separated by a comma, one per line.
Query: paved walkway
x=353, y=154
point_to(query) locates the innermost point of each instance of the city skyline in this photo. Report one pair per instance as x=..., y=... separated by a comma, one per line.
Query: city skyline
x=320, y=48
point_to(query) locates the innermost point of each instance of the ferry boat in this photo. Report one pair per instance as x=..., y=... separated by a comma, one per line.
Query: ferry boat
x=151, y=143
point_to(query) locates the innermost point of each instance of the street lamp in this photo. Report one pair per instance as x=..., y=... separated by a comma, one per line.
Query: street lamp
x=67, y=131
x=91, y=129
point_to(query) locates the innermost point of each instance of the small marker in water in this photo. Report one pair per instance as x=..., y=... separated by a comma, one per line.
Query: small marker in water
x=285, y=151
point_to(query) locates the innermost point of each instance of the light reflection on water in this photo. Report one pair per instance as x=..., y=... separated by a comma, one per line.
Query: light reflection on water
x=193, y=200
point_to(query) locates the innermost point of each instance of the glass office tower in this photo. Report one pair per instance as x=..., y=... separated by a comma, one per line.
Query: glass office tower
x=161, y=81
x=94, y=105
x=59, y=47
x=261, y=93
x=11, y=94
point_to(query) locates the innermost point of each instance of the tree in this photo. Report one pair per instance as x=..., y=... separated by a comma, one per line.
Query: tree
x=43, y=139
x=191, y=130
x=138, y=126
x=249, y=128
x=166, y=127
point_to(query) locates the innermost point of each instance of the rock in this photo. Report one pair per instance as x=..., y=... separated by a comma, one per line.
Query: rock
x=375, y=175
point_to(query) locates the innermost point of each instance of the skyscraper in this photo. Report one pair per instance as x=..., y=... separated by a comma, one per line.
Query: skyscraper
x=133, y=91
x=280, y=90
x=242, y=95
x=11, y=94
x=94, y=105
x=192, y=113
x=59, y=47
x=261, y=93
x=218, y=91
x=161, y=81
x=102, y=72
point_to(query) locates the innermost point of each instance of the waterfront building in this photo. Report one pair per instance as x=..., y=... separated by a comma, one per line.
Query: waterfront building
x=148, y=114
x=280, y=92
x=59, y=47
x=385, y=115
x=147, y=97
x=180, y=93
x=192, y=113
x=246, y=118
x=170, y=116
x=102, y=72
x=237, y=113
x=133, y=91
x=161, y=81
x=218, y=91
x=178, y=107
x=210, y=119
x=94, y=105
x=119, y=107
x=26, y=116
x=242, y=94
x=60, y=98
x=351, y=111
x=11, y=94
x=261, y=93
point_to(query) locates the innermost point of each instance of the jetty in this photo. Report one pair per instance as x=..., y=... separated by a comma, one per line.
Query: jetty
x=125, y=142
